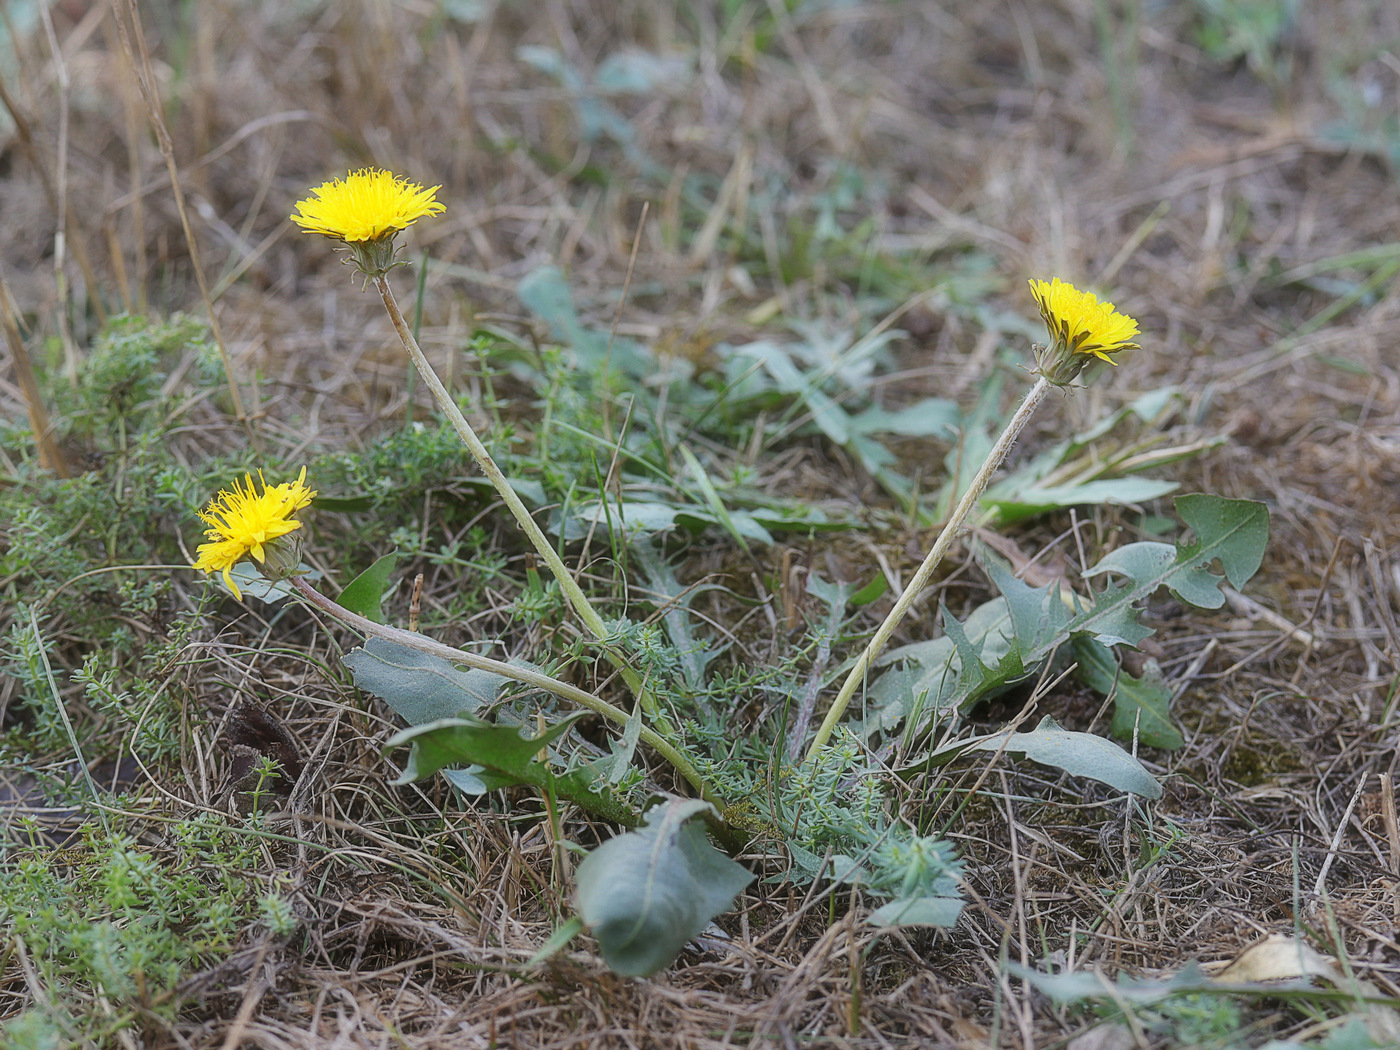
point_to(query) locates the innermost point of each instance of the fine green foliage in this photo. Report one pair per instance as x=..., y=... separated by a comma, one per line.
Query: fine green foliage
x=108, y=917
x=644, y=893
x=82, y=624
x=920, y=874
x=645, y=485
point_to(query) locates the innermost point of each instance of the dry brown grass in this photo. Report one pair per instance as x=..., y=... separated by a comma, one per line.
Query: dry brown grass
x=992, y=126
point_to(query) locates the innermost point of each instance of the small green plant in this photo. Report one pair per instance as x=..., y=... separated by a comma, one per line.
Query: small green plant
x=79, y=555
x=1191, y=1009
x=830, y=811
x=108, y=919
x=1252, y=30
x=624, y=472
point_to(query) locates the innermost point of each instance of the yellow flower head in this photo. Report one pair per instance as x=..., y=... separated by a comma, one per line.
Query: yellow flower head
x=366, y=206
x=365, y=211
x=1080, y=328
x=243, y=521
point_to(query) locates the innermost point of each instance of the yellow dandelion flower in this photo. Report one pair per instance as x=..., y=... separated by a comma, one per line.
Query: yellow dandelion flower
x=365, y=206
x=1081, y=327
x=243, y=521
x=366, y=210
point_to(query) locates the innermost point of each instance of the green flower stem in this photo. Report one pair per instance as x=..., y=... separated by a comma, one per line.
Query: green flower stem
x=572, y=591
x=563, y=690
x=877, y=643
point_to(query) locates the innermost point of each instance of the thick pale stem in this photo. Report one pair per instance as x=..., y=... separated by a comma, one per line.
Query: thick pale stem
x=920, y=579
x=524, y=675
x=567, y=584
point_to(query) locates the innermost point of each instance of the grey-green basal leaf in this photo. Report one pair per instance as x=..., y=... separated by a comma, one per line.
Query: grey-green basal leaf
x=1079, y=754
x=419, y=687
x=644, y=893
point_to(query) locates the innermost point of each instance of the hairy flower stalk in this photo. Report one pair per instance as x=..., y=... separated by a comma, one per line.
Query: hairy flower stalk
x=366, y=211
x=1081, y=330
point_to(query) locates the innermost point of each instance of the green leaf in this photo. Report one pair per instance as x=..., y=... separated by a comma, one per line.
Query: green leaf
x=252, y=583
x=505, y=757
x=1039, y=615
x=545, y=292
x=528, y=489
x=932, y=417
x=712, y=498
x=834, y=595
x=450, y=741
x=918, y=911
x=1235, y=531
x=640, y=72
x=1079, y=754
x=830, y=418
x=628, y=517
x=558, y=941
x=674, y=602
x=365, y=593
x=935, y=679
x=872, y=591
x=419, y=687
x=645, y=893
x=1033, y=500
x=1090, y=985
x=794, y=516
x=624, y=747
x=1010, y=637
x=1141, y=705
x=1041, y=484
x=473, y=780
x=853, y=433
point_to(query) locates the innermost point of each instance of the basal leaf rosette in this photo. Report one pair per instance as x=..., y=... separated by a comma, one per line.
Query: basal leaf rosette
x=254, y=519
x=366, y=210
x=1081, y=329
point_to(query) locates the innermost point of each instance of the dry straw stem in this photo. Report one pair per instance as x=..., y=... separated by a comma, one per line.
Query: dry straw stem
x=572, y=591
x=563, y=690
x=141, y=65
x=70, y=231
x=877, y=643
x=50, y=454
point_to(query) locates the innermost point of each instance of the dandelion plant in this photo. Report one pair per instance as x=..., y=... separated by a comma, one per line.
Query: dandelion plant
x=1082, y=329
x=366, y=211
